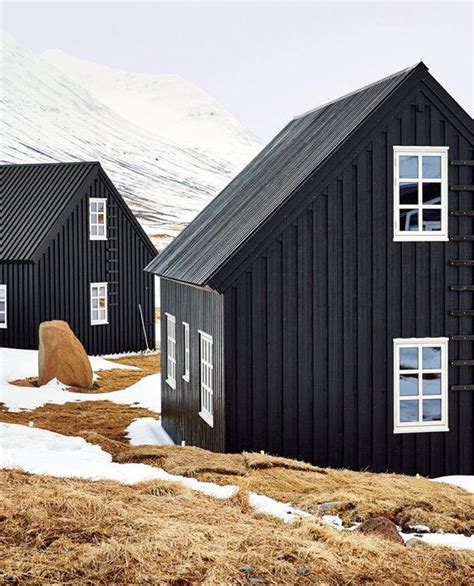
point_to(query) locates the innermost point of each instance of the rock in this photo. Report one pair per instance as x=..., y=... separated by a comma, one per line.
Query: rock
x=62, y=356
x=329, y=505
x=416, y=542
x=381, y=527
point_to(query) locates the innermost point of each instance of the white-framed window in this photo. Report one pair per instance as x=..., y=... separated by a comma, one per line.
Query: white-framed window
x=97, y=218
x=3, y=306
x=420, y=385
x=206, y=377
x=186, y=351
x=99, y=304
x=420, y=193
x=171, y=350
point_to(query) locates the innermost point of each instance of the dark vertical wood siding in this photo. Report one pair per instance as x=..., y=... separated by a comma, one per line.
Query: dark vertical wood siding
x=310, y=324
x=21, y=321
x=202, y=310
x=59, y=283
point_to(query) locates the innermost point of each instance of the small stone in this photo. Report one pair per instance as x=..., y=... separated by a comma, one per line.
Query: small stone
x=302, y=571
x=416, y=542
x=329, y=505
x=247, y=569
x=256, y=581
x=381, y=527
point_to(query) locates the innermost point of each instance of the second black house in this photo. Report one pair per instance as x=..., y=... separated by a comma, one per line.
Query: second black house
x=71, y=249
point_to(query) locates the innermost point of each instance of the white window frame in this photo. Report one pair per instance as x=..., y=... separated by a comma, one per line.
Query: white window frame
x=94, y=295
x=206, y=377
x=97, y=224
x=171, y=350
x=186, y=352
x=420, y=235
x=420, y=426
x=4, y=312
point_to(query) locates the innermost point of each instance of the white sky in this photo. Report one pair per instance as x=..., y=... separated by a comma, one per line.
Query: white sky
x=264, y=61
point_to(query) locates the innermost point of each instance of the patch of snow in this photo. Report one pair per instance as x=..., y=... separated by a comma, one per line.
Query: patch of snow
x=148, y=431
x=268, y=506
x=334, y=520
x=449, y=539
x=420, y=528
x=17, y=364
x=39, y=451
x=465, y=482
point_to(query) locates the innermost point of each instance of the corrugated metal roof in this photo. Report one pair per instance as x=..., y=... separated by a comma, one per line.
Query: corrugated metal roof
x=33, y=198
x=267, y=182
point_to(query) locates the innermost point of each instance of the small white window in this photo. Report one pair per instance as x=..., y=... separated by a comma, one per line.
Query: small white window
x=171, y=350
x=99, y=304
x=186, y=351
x=420, y=193
x=3, y=306
x=97, y=218
x=420, y=385
x=206, y=377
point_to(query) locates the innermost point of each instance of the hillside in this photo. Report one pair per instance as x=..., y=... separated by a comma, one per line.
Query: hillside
x=47, y=116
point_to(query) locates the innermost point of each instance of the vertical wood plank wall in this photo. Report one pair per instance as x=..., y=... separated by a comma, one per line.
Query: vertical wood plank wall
x=202, y=310
x=58, y=285
x=310, y=324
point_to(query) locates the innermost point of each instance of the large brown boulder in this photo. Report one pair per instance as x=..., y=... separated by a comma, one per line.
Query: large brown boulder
x=381, y=527
x=62, y=356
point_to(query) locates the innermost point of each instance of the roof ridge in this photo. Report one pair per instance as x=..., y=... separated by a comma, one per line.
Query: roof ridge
x=361, y=89
x=50, y=164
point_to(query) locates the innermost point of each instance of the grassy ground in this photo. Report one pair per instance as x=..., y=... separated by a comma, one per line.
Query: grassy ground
x=84, y=532
x=77, y=532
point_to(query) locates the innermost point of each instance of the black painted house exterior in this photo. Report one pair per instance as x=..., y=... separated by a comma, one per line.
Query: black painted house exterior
x=71, y=249
x=335, y=276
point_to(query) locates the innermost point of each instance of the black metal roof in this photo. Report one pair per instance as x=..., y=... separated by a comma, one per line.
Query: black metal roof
x=218, y=232
x=34, y=201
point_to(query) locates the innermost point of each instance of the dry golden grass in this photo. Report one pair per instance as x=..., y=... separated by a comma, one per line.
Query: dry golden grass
x=78, y=532
x=114, y=379
x=104, y=417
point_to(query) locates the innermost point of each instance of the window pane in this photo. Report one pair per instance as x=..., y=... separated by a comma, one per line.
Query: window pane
x=431, y=167
x=2, y=293
x=3, y=318
x=432, y=357
x=102, y=291
x=431, y=220
x=100, y=218
x=408, y=411
x=409, y=167
x=93, y=207
x=409, y=384
x=408, y=193
x=432, y=384
x=2, y=305
x=408, y=220
x=432, y=410
x=432, y=193
x=95, y=303
x=94, y=230
x=408, y=358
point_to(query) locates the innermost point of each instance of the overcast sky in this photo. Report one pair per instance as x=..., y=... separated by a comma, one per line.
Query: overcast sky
x=264, y=61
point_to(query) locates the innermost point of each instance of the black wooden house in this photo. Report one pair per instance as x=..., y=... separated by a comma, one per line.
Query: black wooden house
x=71, y=249
x=321, y=307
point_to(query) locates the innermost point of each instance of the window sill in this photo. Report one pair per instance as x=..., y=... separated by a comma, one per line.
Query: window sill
x=185, y=378
x=3, y=327
x=99, y=323
x=420, y=238
x=171, y=383
x=421, y=429
x=97, y=237
x=209, y=419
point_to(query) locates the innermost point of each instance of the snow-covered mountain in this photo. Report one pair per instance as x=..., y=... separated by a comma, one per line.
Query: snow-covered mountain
x=166, y=105
x=47, y=116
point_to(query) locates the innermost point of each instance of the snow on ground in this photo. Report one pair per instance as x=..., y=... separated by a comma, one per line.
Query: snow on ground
x=39, y=451
x=449, y=539
x=464, y=482
x=148, y=431
x=17, y=364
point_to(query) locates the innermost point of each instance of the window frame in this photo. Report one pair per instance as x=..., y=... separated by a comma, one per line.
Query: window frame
x=171, y=344
x=206, y=379
x=91, y=224
x=420, y=426
x=99, y=322
x=4, y=325
x=186, y=352
x=419, y=151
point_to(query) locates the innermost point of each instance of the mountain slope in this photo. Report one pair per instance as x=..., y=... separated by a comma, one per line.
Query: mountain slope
x=167, y=105
x=48, y=117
